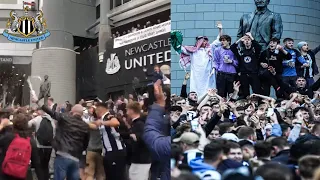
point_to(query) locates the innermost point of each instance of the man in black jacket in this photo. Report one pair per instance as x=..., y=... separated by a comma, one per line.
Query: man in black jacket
x=301, y=87
x=72, y=137
x=271, y=66
x=141, y=157
x=248, y=53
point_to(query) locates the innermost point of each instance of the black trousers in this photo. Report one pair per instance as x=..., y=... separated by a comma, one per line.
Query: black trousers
x=274, y=81
x=115, y=165
x=45, y=154
x=225, y=83
x=247, y=80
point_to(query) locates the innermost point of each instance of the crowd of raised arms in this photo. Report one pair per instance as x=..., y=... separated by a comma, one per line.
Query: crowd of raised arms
x=230, y=125
x=122, y=139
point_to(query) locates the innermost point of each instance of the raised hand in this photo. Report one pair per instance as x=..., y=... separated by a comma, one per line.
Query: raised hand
x=250, y=35
x=212, y=92
x=158, y=93
x=219, y=25
x=279, y=47
x=255, y=120
x=187, y=76
x=5, y=122
x=272, y=70
x=223, y=108
x=236, y=86
x=232, y=105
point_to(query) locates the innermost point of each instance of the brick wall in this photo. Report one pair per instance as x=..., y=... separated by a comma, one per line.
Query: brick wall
x=60, y=65
x=301, y=21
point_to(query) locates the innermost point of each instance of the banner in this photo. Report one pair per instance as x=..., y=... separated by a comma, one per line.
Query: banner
x=16, y=39
x=123, y=65
x=142, y=34
x=6, y=60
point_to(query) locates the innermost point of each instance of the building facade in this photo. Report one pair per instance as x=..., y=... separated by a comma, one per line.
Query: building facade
x=72, y=23
x=198, y=17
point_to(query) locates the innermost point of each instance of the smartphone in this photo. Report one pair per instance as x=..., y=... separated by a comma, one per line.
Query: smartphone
x=194, y=124
x=270, y=112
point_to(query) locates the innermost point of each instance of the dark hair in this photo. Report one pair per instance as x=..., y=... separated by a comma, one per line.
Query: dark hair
x=275, y=40
x=287, y=39
x=212, y=151
x=245, y=143
x=225, y=37
x=20, y=124
x=176, y=108
x=68, y=107
x=279, y=142
x=294, y=112
x=176, y=152
x=308, y=165
x=263, y=149
x=273, y=171
x=312, y=147
x=245, y=132
x=232, y=145
x=224, y=127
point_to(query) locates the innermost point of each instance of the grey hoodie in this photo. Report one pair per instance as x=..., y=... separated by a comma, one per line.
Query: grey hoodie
x=35, y=122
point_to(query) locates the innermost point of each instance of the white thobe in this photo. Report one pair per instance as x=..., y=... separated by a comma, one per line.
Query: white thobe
x=201, y=67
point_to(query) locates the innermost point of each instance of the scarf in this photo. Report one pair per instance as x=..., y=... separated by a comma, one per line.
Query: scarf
x=305, y=69
x=185, y=59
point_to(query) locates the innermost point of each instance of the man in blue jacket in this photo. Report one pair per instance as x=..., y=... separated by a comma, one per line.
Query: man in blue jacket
x=159, y=144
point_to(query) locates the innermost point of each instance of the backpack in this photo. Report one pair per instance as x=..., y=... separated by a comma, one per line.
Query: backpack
x=17, y=159
x=45, y=132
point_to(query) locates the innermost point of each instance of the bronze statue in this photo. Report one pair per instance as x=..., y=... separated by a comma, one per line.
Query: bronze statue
x=45, y=90
x=262, y=23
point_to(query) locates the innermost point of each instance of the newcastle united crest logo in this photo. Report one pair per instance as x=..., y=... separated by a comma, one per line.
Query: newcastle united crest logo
x=26, y=29
x=113, y=64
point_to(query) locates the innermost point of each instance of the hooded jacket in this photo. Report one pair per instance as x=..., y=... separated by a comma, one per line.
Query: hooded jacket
x=204, y=171
x=158, y=143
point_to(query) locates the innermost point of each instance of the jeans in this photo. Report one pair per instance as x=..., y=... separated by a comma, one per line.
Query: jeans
x=225, y=83
x=66, y=168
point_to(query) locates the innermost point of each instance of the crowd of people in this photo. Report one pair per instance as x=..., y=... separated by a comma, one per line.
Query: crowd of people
x=229, y=126
x=124, y=139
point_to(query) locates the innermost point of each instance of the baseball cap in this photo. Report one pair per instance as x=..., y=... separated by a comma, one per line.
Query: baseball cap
x=188, y=138
x=230, y=136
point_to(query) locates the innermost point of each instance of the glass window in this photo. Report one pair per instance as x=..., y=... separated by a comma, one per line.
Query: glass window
x=98, y=12
x=111, y=4
x=118, y=3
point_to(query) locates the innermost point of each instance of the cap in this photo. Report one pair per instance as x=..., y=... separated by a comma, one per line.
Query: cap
x=300, y=44
x=230, y=136
x=188, y=138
